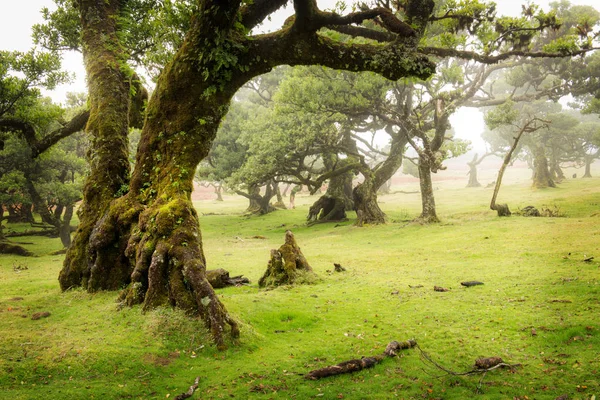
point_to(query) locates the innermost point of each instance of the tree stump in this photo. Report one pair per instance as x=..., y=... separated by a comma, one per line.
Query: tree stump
x=287, y=265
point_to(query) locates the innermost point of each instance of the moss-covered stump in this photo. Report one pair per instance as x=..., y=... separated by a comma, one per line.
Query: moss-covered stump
x=287, y=266
x=502, y=210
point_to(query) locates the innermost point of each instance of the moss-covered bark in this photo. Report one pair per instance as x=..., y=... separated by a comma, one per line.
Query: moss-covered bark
x=365, y=204
x=287, y=265
x=588, y=167
x=108, y=86
x=428, y=211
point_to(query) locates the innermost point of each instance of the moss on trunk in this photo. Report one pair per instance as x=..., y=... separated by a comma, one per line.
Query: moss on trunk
x=108, y=86
x=365, y=203
x=287, y=265
x=541, y=175
x=428, y=211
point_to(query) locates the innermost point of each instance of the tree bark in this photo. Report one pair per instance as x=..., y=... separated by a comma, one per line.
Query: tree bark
x=259, y=204
x=541, y=176
x=65, y=226
x=365, y=204
x=428, y=212
x=280, y=203
x=473, y=182
x=219, y=191
x=365, y=193
x=287, y=265
x=332, y=206
x=107, y=126
x=588, y=167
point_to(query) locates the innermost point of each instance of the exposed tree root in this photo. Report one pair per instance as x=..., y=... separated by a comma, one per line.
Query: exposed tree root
x=362, y=363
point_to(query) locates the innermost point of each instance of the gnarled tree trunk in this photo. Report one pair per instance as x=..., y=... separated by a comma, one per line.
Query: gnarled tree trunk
x=588, y=167
x=541, y=176
x=473, y=182
x=259, y=204
x=107, y=126
x=365, y=204
x=428, y=212
x=332, y=206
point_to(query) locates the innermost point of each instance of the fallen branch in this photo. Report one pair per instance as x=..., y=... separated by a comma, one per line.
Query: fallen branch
x=471, y=283
x=482, y=365
x=190, y=392
x=362, y=363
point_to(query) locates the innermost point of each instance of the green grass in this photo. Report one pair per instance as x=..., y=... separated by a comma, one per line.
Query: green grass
x=539, y=308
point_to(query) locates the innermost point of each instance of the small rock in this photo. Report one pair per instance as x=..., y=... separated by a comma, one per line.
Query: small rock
x=440, y=289
x=395, y=292
x=533, y=332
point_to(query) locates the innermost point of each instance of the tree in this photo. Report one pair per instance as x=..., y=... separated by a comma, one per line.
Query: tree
x=30, y=126
x=148, y=239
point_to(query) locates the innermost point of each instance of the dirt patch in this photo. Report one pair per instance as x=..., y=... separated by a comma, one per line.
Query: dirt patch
x=161, y=361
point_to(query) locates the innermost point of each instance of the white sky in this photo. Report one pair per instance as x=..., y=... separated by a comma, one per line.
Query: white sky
x=18, y=16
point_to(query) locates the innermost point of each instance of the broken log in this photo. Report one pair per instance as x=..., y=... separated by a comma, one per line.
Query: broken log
x=361, y=363
x=219, y=278
x=471, y=283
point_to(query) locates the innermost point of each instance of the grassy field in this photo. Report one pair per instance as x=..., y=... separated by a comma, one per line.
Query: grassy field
x=539, y=308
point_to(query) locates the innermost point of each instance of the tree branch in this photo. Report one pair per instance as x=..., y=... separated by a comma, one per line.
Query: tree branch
x=487, y=59
x=255, y=13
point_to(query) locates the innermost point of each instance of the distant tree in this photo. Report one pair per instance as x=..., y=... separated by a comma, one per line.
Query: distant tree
x=30, y=126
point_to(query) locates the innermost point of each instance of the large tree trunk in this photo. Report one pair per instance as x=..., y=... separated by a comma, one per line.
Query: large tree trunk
x=556, y=172
x=259, y=204
x=588, y=167
x=428, y=212
x=20, y=213
x=541, y=176
x=280, y=203
x=253, y=195
x=65, y=226
x=107, y=126
x=219, y=191
x=332, y=206
x=473, y=182
x=365, y=204
x=365, y=193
